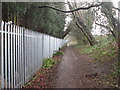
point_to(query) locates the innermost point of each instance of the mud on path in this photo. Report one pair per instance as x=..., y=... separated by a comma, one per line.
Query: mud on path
x=77, y=71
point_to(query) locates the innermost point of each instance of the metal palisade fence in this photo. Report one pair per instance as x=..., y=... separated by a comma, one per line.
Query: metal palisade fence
x=22, y=52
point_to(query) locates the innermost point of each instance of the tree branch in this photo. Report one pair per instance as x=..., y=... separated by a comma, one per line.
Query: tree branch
x=107, y=28
x=116, y=8
x=102, y=25
x=71, y=11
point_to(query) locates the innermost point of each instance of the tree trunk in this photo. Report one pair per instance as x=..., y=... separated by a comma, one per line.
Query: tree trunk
x=90, y=42
x=81, y=24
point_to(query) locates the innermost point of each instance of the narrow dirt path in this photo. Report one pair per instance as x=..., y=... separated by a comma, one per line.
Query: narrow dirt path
x=76, y=71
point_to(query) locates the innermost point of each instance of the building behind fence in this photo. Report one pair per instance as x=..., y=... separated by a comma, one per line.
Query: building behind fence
x=22, y=52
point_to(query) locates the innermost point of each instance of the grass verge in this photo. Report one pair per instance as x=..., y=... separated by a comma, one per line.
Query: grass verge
x=105, y=51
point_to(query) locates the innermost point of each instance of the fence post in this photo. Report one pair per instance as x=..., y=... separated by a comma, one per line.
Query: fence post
x=42, y=45
x=11, y=56
x=26, y=55
x=20, y=70
x=6, y=56
x=22, y=55
x=14, y=57
x=2, y=56
x=49, y=47
x=1, y=86
x=24, y=60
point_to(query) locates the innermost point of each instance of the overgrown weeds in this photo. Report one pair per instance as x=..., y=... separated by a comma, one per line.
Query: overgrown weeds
x=57, y=53
x=46, y=76
x=105, y=51
x=48, y=63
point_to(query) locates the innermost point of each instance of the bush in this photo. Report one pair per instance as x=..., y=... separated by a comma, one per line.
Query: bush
x=48, y=63
x=57, y=53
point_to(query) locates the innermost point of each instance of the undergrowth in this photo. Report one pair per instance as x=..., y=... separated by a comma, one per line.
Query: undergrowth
x=48, y=63
x=104, y=51
x=57, y=53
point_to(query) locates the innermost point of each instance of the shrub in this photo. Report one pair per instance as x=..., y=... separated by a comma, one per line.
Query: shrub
x=57, y=53
x=48, y=63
